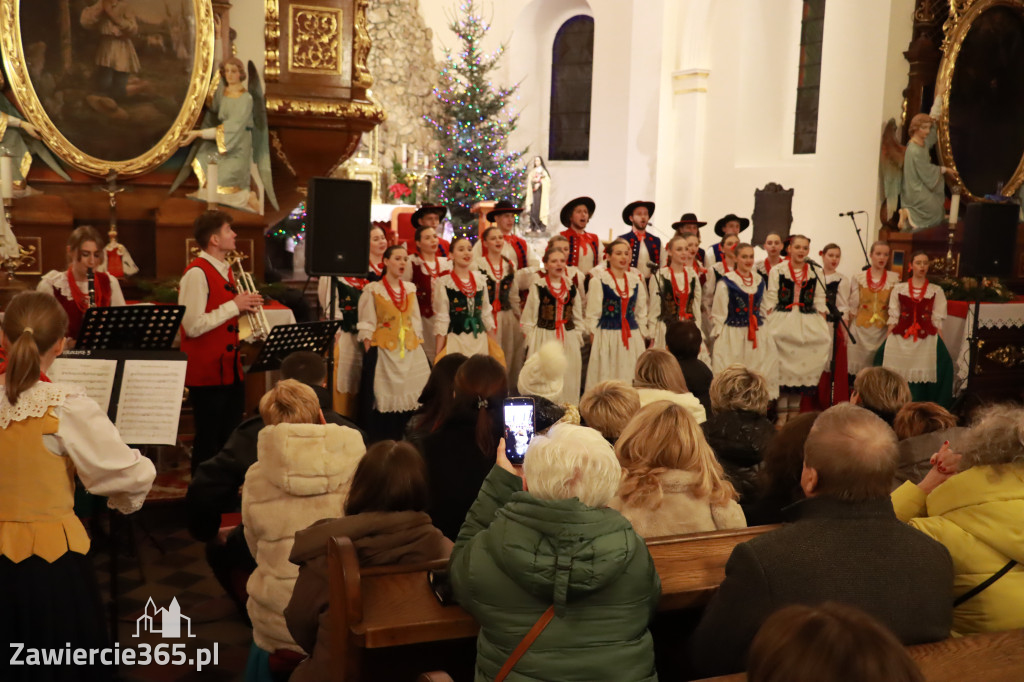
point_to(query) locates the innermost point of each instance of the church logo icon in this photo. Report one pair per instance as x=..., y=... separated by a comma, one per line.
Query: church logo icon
x=170, y=625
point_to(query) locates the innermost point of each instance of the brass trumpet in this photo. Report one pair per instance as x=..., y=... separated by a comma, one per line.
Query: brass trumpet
x=254, y=322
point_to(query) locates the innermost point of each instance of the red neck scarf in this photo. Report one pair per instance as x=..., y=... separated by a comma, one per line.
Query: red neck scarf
x=102, y=299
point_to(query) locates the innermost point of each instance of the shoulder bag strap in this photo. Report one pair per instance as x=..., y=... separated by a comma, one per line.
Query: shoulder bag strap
x=981, y=587
x=525, y=644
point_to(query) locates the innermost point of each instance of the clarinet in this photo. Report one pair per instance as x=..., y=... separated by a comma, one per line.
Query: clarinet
x=91, y=279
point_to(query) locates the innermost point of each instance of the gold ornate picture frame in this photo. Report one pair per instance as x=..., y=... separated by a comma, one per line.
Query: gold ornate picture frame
x=49, y=74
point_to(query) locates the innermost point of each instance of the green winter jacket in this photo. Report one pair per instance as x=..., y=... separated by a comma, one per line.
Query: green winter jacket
x=517, y=555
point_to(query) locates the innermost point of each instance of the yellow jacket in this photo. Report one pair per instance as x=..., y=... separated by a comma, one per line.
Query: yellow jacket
x=979, y=516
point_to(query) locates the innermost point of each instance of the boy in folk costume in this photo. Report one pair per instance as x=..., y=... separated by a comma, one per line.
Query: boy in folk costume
x=870, y=291
x=425, y=269
x=216, y=387
x=726, y=226
x=431, y=215
x=503, y=292
x=646, y=248
x=617, y=317
x=738, y=322
x=583, y=246
x=795, y=305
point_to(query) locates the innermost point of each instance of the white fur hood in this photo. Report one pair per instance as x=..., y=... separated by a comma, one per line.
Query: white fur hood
x=308, y=459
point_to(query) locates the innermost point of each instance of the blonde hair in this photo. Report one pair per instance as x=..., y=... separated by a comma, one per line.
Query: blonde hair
x=880, y=242
x=33, y=324
x=572, y=461
x=739, y=388
x=665, y=436
x=657, y=368
x=996, y=439
x=882, y=390
x=854, y=452
x=290, y=402
x=608, y=407
x=677, y=238
x=914, y=419
x=79, y=236
x=610, y=246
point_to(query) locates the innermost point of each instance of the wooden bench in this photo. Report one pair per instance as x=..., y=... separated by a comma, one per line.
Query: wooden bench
x=389, y=606
x=989, y=657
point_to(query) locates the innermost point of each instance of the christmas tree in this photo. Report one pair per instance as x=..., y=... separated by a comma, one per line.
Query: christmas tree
x=475, y=163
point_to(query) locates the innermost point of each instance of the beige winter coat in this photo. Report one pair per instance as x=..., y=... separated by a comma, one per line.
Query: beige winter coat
x=302, y=474
x=680, y=512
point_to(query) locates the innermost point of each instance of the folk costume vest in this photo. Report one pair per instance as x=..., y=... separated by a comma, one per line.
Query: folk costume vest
x=873, y=310
x=498, y=290
x=652, y=243
x=394, y=330
x=213, y=357
x=464, y=315
x=347, y=290
x=547, y=311
x=745, y=308
x=612, y=314
x=670, y=304
x=586, y=242
x=518, y=245
x=787, y=289
x=717, y=250
x=425, y=285
x=76, y=305
x=915, y=318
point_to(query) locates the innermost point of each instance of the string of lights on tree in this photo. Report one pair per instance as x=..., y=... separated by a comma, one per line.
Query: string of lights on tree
x=474, y=163
x=294, y=225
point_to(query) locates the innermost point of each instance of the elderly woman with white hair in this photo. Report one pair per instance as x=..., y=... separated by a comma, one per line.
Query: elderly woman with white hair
x=973, y=503
x=544, y=556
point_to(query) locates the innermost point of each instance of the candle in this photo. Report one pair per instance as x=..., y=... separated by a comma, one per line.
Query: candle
x=415, y=158
x=6, y=176
x=211, y=183
x=405, y=155
x=610, y=237
x=954, y=209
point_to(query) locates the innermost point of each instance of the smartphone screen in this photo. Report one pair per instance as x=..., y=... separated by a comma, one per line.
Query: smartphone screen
x=519, y=427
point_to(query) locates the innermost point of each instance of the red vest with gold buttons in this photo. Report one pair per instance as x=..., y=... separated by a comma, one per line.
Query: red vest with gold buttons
x=213, y=357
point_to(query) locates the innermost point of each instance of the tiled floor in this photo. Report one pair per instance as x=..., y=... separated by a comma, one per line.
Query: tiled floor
x=179, y=572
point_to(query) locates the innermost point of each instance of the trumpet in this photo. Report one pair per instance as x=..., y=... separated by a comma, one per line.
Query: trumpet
x=253, y=322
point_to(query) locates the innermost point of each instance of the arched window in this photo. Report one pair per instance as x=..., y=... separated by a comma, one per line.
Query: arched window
x=812, y=26
x=572, y=69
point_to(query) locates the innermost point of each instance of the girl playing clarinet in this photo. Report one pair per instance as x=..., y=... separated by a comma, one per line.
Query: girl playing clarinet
x=425, y=270
x=616, y=316
x=500, y=275
x=463, y=321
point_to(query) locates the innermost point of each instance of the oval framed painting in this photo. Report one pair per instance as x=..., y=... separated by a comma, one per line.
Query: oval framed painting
x=980, y=137
x=112, y=85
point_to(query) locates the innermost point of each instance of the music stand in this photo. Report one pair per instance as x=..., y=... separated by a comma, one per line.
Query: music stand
x=135, y=327
x=316, y=337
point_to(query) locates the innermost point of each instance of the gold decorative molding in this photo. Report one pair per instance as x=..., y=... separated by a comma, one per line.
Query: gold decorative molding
x=685, y=82
x=367, y=110
x=314, y=39
x=1007, y=356
x=271, y=38
x=275, y=142
x=361, y=77
x=16, y=67
x=962, y=14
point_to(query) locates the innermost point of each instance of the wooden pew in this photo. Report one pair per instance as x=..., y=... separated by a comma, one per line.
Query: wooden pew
x=388, y=606
x=988, y=657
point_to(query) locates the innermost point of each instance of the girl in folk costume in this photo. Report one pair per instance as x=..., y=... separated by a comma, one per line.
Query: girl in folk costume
x=675, y=293
x=914, y=349
x=728, y=262
x=560, y=243
x=554, y=312
x=707, y=280
x=500, y=275
x=738, y=322
x=616, y=315
x=773, y=247
x=72, y=287
x=795, y=305
x=870, y=291
x=49, y=433
x=425, y=270
x=378, y=245
x=348, y=352
x=395, y=369
x=463, y=321
x=837, y=295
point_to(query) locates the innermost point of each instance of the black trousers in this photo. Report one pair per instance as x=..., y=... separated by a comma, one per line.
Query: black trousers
x=217, y=410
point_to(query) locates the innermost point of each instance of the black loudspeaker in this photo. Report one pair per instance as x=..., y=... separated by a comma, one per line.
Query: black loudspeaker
x=990, y=239
x=338, y=227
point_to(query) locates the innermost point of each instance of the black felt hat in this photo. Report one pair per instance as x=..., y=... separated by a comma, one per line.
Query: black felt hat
x=688, y=219
x=578, y=201
x=502, y=207
x=628, y=211
x=720, y=225
x=423, y=210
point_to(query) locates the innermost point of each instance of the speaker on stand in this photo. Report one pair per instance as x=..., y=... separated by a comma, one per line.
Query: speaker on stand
x=337, y=237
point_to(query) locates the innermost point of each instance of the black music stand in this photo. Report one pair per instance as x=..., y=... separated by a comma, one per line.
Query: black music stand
x=134, y=327
x=316, y=337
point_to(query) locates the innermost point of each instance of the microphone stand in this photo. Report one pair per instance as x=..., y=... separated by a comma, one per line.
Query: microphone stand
x=836, y=320
x=860, y=239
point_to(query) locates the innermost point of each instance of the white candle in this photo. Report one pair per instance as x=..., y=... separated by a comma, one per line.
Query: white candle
x=954, y=209
x=211, y=183
x=6, y=177
x=415, y=158
x=405, y=155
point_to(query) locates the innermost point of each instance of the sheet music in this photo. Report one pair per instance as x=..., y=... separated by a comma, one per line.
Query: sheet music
x=150, y=401
x=95, y=376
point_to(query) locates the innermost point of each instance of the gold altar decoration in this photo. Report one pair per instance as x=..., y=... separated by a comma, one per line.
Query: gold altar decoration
x=1008, y=356
x=316, y=39
x=17, y=66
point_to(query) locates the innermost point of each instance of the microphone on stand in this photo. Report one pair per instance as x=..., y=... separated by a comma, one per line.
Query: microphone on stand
x=849, y=213
x=90, y=278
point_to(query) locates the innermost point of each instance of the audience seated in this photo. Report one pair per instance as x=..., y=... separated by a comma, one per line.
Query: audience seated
x=658, y=377
x=608, y=406
x=922, y=428
x=461, y=451
x=557, y=547
x=738, y=431
x=828, y=643
x=881, y=391
x=672, y=483
x=435, y=399
x=974, y=505
x=385, y=517
x=683, y=340
x=303, y=471
x=847, y=545
x=777, y=486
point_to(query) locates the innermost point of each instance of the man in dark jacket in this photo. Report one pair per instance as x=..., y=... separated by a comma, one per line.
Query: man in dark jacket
x=216, y=485
x=847, y=546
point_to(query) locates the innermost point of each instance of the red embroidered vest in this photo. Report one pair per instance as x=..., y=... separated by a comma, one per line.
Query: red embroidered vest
x=518, y=245
x=213, y=357
x=424, y=288
x=75, y=314
x=915, y=318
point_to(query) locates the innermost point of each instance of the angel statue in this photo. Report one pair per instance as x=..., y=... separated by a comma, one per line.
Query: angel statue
x=21, y=140
x=234, y=135
x=890, y=166
x=536, y=204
